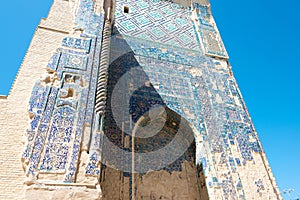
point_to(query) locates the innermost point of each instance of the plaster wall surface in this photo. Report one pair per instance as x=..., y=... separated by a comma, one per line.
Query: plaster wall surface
x=179, y=185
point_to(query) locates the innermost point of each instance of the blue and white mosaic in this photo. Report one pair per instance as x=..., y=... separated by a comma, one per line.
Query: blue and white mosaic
x=60, y=136
x=195, y=86
x=61, y=105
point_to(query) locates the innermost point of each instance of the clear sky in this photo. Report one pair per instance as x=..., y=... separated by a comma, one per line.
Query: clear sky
x=262, y=39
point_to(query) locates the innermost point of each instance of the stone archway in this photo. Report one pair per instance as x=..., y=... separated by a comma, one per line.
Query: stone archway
x=181, y=179
x=137, y=98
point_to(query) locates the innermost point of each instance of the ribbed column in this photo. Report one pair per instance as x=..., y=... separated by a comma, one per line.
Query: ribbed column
x=101, y=93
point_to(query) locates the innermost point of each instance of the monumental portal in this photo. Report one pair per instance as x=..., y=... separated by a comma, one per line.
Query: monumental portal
x=129, y=99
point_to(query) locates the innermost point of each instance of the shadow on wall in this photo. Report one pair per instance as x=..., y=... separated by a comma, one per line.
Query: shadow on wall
x=147, y=134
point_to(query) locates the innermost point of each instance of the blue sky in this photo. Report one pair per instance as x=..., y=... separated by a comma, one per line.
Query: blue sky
x=262, y=39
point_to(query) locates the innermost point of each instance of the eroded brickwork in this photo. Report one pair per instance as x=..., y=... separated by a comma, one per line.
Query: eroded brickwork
x=15, y=111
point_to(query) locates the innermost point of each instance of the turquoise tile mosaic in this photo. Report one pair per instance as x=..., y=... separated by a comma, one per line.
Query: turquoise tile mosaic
x=157, y=21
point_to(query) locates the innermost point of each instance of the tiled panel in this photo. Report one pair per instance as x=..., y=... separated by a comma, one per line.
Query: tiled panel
x=57, y=149
x=62, y=103
x=77, y=43
x=158, y=21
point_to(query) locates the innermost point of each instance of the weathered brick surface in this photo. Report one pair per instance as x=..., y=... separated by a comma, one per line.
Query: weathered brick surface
x=13, y=110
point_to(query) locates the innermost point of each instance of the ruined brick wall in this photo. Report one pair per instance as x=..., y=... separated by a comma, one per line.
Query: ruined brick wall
x=15, y=115
x=156, y=185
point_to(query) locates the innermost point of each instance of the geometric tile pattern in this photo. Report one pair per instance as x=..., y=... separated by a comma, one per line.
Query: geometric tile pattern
x=76, y=62
x=158, y=21
x=157, y=37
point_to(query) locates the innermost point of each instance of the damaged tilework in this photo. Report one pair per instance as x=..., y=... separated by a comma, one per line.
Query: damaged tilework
x=87, y=20
x=198, y=88
x=77, y=43
x=207, y=32
x=62, y=103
